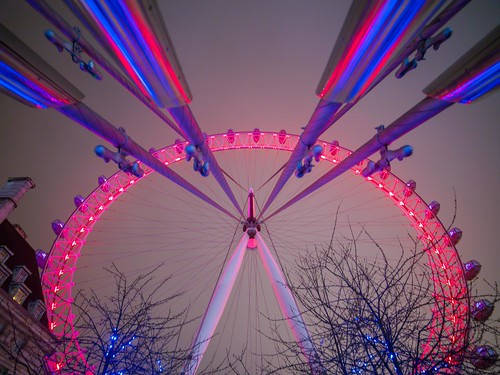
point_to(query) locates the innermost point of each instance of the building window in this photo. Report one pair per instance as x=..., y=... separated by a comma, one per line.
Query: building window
x=36, y=309
x=20, y=274
x=19, y=292
x=5, y=253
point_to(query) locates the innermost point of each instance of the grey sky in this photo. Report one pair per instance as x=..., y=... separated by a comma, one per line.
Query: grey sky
x=257, y=64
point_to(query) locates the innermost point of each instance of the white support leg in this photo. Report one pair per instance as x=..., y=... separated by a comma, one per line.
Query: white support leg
x=288, y=306
x=216, y=307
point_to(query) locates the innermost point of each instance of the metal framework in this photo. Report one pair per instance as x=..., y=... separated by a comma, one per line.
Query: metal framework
x=376, y=37
x=450, y=314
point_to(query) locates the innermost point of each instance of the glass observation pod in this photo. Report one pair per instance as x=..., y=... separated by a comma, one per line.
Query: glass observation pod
x=133, y=33
x=373, y=34
x=473, y=75
x=27, y=78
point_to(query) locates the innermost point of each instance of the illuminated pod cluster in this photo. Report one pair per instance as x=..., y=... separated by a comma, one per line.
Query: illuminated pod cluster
x=451, y=311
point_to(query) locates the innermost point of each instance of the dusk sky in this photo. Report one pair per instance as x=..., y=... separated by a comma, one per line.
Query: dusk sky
x=256, y=65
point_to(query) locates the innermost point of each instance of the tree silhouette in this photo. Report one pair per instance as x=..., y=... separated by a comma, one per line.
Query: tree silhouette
x=372, y=315
x=131, y=331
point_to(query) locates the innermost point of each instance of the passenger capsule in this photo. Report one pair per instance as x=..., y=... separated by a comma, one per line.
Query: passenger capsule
x=178, y=146
x=230, y=135
x=410, y=188
x=334, y=148
x=282, y=136
x=482, y=310
x=78, y=200
x=103, y=182
x=384, y=174
x=57, y=226
x=455, y=234
x=484, y=357
x=472, y=269
x=256, y=135
x=433, y=210
x=41, y=258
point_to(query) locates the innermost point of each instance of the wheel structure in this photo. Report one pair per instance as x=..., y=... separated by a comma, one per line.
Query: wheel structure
x=450, y=315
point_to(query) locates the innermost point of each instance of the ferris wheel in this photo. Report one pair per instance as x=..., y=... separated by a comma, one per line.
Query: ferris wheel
x=234, y=227
x=210, y=255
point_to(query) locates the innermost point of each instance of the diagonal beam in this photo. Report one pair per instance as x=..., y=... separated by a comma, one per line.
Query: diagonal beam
x=289, y=307
x=311, y=134
x=420, y=113
x=428, y=31
x=473, y=75
x=320, y=121
x=216, y=307
x=55, y=18
x=187, y=122
x=92, y=121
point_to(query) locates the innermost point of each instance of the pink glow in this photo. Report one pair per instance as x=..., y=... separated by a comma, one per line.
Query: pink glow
x=358, y=40
x=432, y=233
x=155, y=49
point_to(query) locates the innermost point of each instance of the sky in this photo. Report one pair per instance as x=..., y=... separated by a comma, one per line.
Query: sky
x=257, y=64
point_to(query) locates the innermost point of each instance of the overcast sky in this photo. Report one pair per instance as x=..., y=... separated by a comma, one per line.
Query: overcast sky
x=257, y=64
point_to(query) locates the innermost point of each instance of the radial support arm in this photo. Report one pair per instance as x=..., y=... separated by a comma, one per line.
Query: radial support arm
x=216, y=307
x=187, y=122
x=90, y=120
x=433, y=27
x=289, y=307
x=55, y=18
x=313, y=130
x=420, y=113
x=320, y=121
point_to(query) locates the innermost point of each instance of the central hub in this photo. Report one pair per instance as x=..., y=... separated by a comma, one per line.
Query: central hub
x=251, y=225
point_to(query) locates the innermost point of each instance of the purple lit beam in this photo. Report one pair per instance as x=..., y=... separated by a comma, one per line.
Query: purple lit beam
x=372, y=35
x=31, y=71
x=90, y=120
x=420, y=113
x=321, y=120
x=26, y=77
x=134, y=33
x=216, y=307
x=183, y=116
x=428, y=31
x=52, y=16
x=373, y=32
x=187, y=122
x=473, y=75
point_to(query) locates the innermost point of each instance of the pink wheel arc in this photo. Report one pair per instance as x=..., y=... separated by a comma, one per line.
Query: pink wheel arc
x=451, y=312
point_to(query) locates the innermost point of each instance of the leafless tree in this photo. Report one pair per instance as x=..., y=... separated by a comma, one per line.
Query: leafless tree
x=372, y=315
x=131, y=331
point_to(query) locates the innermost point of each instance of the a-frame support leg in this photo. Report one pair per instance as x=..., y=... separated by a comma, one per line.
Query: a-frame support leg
x=289, y=307
x=216, y=307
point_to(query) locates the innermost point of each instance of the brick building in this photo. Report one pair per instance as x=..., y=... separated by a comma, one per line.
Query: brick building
x=25, y=339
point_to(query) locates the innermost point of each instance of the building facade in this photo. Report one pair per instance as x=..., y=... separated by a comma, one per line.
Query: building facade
x=25, y=339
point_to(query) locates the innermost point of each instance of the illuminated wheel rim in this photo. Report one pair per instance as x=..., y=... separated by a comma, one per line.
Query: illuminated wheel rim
x=449, y=328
